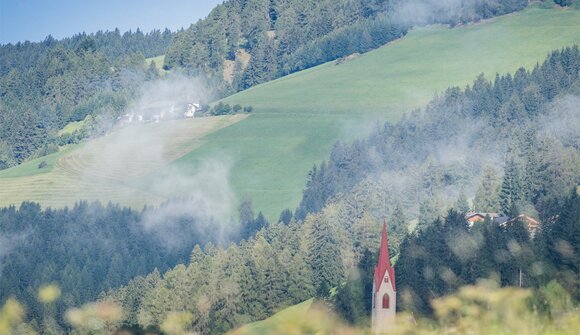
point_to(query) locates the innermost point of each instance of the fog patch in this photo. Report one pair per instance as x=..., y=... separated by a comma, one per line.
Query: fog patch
x=8, y=242
x=563, y=121
x=207, y=209
x=421, y=12
x=134, y=162
x=168, y=95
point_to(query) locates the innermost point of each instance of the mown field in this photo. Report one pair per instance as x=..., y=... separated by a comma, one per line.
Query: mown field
x=107, y=169
x=296, y=119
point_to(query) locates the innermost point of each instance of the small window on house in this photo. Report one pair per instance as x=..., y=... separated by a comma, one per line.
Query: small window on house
x=386, y=301
x=386, y=279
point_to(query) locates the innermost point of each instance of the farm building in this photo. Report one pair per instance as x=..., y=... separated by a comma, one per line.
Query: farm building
x=473, y=217
x=532, y=224
x=192, y=108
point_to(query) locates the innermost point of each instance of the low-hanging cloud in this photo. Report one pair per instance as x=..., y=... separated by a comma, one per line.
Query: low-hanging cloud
x=563, y=121
x=8, y=242
x=135, y=162
x=168, y=94
x=420, y=12
x=207, y=208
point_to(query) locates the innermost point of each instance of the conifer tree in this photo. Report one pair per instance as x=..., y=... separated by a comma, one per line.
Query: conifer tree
x=398, y=221
x=511, y=190
x=285, y=216
x=487, y=194
x=461, y=205
x=324, y=254
x=246, y=217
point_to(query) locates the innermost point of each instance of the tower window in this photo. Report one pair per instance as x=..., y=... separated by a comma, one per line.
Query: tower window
x=386, y=302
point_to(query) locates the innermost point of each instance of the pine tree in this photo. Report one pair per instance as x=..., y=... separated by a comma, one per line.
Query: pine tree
x=461, y=205
x=562, y=242
x=511, y=190
x=398, y=222
x=246, y=217
x=285, y=216
x=427, y=213
x=324, y=254
x=487, y=194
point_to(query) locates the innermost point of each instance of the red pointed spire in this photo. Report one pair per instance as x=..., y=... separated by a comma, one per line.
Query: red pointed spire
x=384, y=263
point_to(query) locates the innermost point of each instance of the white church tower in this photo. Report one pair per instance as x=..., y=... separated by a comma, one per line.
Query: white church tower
x=384, y=290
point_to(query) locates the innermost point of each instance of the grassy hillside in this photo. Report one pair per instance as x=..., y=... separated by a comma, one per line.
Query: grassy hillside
x=275, y=324
x=405, y=73
x=106, y=169
x=159, y=61
x=71, y=127
x=297, y=118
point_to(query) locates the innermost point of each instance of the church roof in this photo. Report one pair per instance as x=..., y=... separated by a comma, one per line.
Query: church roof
x=384, y=263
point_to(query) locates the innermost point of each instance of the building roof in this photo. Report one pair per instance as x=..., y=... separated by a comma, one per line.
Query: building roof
x=501, y=219
x=471, y=214
x=475, y=215
x=384, y=263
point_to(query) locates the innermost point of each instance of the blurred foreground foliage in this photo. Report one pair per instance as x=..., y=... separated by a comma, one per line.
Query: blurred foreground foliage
x=484, y=308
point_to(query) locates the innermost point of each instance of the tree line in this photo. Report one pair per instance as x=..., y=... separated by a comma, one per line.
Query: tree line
x=90, y=248
x=448, y=255
x=263, y=40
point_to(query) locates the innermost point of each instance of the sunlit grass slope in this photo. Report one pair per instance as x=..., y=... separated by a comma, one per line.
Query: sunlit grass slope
x=107, y=168
x=291, y=314
x=159, y=61
x=297, y=118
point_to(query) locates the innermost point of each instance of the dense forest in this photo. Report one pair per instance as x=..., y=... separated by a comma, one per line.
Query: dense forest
x=46, y=85
x=294, y=259
x=244, y=43
x=91, y=248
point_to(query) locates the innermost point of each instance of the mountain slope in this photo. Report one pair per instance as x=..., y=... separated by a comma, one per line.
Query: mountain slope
x=297, y=118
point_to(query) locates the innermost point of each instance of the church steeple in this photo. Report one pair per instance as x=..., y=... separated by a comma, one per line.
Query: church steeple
x=384, y=263
x=384, y=295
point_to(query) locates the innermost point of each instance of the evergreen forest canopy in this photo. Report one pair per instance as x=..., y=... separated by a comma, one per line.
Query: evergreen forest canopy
x=91, y=248
x=316, y=249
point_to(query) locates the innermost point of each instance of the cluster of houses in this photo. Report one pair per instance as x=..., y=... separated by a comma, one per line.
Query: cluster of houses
x=473, y=217
x=159, y=111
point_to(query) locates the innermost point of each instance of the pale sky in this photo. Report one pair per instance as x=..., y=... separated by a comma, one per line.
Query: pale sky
x=33, y=20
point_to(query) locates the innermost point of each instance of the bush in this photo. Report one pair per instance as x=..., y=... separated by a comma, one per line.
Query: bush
x=45, y=150
x=226, y=109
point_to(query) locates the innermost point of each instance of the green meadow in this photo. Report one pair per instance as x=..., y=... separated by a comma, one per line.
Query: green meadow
x=286, y=317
